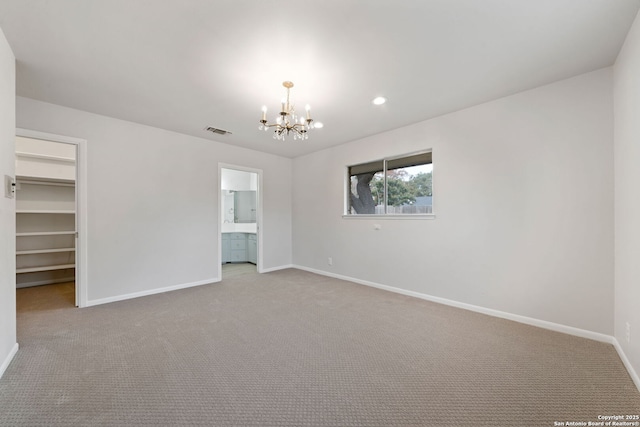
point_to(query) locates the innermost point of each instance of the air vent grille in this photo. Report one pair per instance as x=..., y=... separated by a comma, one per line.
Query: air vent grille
x=217, y=131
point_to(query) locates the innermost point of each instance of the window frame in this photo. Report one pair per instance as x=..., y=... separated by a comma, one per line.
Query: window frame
x=385, y=160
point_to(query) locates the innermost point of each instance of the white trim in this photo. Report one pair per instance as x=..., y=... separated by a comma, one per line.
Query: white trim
x=151, y=292
x=627, y=364
x=82, y=276
x=27, y=133
x=570, y=330
x=280, y=267
x=8, y=359
x=389, y=216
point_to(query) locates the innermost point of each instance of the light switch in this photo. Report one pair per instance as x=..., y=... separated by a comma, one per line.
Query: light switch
x=9, y=187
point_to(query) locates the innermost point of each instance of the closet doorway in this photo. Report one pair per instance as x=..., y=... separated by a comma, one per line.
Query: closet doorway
x=50, y=224
x=240, y=235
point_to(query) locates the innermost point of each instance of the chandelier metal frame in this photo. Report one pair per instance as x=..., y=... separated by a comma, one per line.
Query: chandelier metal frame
x=287, y=121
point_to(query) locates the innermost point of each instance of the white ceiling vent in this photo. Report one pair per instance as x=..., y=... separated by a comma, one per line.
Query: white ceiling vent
x=218, y=131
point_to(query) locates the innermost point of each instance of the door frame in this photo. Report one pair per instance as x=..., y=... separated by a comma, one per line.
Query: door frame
x=81, y=279
x=258, y=213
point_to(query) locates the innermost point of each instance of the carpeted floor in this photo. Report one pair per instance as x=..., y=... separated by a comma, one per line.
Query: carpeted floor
x=290, y=348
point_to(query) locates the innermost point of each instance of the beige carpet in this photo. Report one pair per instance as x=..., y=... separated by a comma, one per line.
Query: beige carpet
x=290, y=348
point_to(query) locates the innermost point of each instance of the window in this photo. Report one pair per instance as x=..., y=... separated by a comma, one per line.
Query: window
x=394, y=186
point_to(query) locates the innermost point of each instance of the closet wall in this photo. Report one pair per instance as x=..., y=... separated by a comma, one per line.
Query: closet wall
x=45, y=212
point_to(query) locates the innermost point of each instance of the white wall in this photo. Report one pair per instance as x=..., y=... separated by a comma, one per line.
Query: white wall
x=8, y=345
x=523, y=198
x=627, y=195
x=153, y=213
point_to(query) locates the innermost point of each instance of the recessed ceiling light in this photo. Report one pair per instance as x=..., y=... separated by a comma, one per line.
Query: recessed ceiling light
x=379, y=100
x=318, y=125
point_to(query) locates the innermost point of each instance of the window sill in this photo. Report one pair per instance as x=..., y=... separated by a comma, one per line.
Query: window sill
x=391, y=216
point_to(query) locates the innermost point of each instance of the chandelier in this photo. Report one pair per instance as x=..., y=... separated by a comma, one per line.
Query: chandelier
x=287, y=121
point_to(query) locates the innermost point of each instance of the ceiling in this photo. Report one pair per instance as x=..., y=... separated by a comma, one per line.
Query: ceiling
x=183, y=65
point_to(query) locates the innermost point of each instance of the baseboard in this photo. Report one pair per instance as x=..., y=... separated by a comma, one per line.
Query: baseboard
x=627, y=364
x=488, y=311
x=44, y=282
x=280, y=267
x=8, y=359
x=150, y=292
x=169, y=288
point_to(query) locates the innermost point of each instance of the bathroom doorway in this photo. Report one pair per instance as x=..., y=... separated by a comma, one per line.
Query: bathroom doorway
x=240, y=214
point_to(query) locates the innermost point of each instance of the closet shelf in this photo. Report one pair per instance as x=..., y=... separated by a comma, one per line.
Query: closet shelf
x=45, y=268
x=45, y=208
x=49, y=157
x=45, y=233
x=45, y=211
x=45, y=251
x=39, y=180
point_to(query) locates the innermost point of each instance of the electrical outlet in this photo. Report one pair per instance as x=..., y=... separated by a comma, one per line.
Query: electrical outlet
x=628, y=333
x=330, y=261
